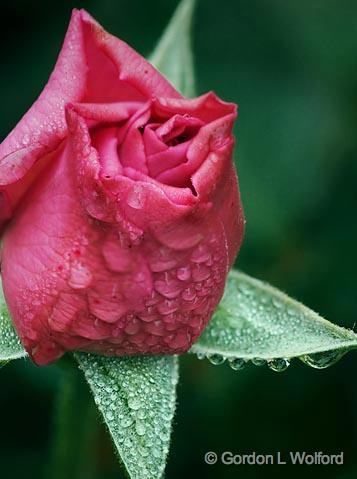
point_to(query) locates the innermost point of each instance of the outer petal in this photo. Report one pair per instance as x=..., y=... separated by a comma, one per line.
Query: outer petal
x=60, y=292
x=43, y=126
x=132, y=68
x=93, y=66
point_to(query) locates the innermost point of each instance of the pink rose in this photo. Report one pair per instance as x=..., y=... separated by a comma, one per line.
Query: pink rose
x=119, y=206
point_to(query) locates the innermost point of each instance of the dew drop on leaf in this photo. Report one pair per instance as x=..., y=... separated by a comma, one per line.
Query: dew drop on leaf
x=237, y=363
x=323, y=360
x=140, y=428
x=279, y=364
x=255, y=320
x=216, y=359
x=134, y=403
x=139, y=417
x=258, y=361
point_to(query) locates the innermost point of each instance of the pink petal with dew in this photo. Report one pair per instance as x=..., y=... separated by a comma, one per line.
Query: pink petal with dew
x=93, y=67
x=43, y=126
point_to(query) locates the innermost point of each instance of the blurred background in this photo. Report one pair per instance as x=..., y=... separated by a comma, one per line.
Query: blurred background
x=292, y=68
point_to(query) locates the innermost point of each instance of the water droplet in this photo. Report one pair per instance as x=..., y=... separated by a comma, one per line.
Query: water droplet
x=156, y=453
x=169, y=288
x=216, y=359
x=128, y=442
x=140, y=414
x=156, y=328
x=200, y=356
x=161, y=259
x=158, y=265
x=189, y=294
x=80, y=276
x=167, y=307
x=279, y=364
x=245, y=290
x=136, y=198
x=134, y=403
x=258, y=361
x=126, y=421
x=324, y=359
x=200, y=255
x=133, y=326
x=277, y=304
x=200, y=273
x=237, y=363
x=26, y=139
x=110, y=415
x=140, y=428
x=184, y=273
x=143, y=451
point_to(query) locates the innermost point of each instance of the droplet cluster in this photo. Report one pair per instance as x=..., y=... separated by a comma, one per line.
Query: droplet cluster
x=236, y=363
x=258, y=324
x=130, y=298
x=136, y=396
x=321, y=360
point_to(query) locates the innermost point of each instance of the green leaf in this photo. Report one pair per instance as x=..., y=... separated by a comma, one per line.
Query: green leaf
x=173, y=54
x=255, y=320
x=137, y=397
x=10, y=345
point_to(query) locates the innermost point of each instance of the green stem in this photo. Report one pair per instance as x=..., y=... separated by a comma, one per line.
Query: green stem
x=75, y=428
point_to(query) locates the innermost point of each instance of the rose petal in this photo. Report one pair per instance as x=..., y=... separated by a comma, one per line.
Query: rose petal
x=130, y=66
x=152, y=143
x=105, y=141
x=177, y=125
x=161, y=200
x=107, y=112
x=207, y=107
x=43, y=126
x=166, y=160
x=93, y=66
x=64, y=284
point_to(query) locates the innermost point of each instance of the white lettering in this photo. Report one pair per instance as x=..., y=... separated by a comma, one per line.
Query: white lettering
x=280, y=461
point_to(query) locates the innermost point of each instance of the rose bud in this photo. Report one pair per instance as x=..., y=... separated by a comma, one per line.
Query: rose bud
x=119, y=204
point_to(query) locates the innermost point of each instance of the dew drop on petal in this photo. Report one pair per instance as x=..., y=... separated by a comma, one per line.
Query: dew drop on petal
x=135, y=198
x=184, y=273
x=80, y=276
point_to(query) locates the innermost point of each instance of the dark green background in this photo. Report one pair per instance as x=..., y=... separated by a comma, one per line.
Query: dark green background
x=292, y=67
